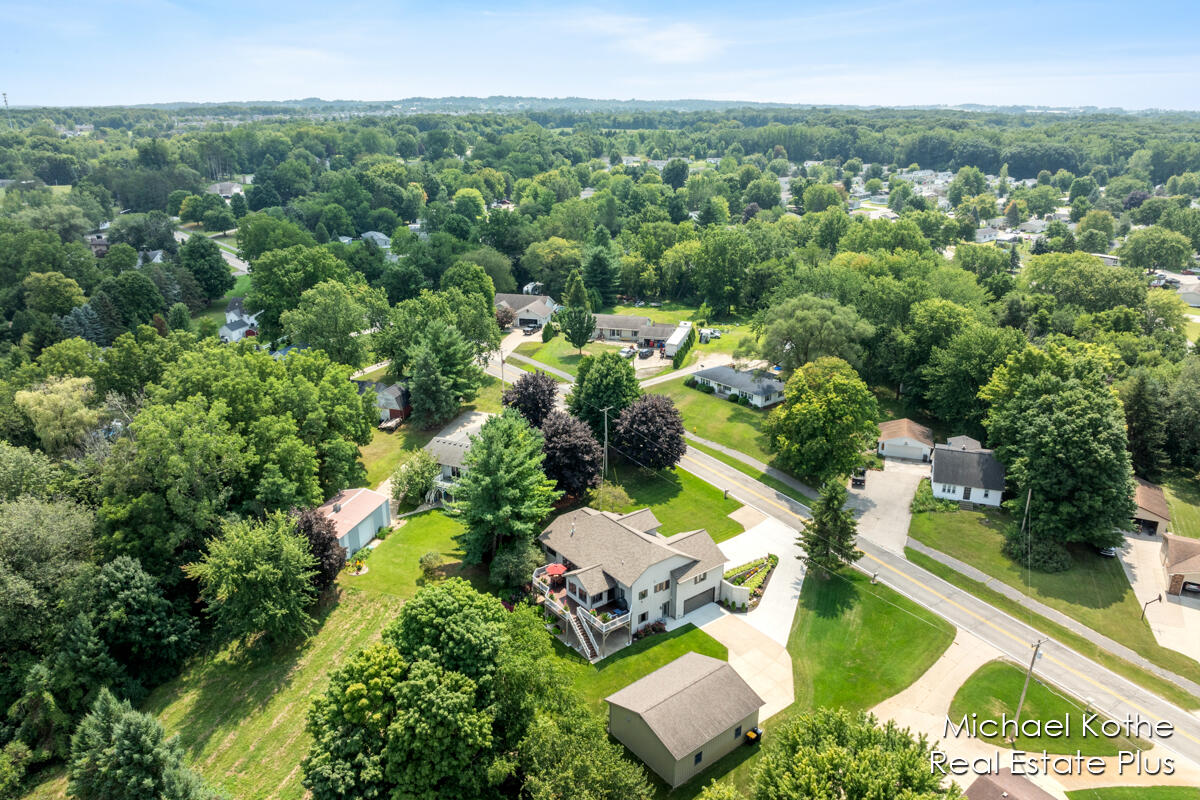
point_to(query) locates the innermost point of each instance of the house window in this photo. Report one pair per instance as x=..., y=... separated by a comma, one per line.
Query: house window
x=550, y=552
x=642, y=594
x=700, y=578
x=596, y=598
x=662, y=587
x=737, y=732
x=699, y=757
x=642, y=617
x=985, y=494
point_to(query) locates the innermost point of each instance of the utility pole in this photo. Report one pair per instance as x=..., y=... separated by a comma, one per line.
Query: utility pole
x=7, y=111
x=1037, y=646
x=604, y=473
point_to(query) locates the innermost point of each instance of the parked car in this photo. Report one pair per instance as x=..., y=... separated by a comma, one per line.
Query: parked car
x=1107, y=552
x=626, y=352
x=530, y=330
x=858, y=479
x=711, y=333
x=1187, y=271
x=645, y=352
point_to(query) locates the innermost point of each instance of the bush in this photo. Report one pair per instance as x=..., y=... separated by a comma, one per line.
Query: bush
x=413, y=481
x=743, y=400
x=681, y=353
x=733, y=397
x=609, y=496
x=690, y=382
x=548, y=331
x=924, y=501
x=431, y=564
x=514, y=564
x=13, y=760
x=1040, y=554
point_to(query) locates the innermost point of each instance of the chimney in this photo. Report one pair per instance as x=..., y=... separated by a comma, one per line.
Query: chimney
x=337, y=507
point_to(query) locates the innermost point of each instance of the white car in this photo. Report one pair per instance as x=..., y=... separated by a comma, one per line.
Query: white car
x=627, y=352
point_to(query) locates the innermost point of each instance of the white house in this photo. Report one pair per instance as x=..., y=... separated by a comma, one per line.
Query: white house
x=529, y=309
x=684, y=716
x=964, y=471
x=903, y=438
x=617, y=574
x=450, y=451
x=238, y=323
x=761, y=388
x=985, y=235
x=642, y=331
x=357, y=515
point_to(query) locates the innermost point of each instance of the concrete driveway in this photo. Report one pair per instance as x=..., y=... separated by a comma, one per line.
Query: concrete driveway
x=775, y=611
x=760, y=660
x=1175, y=620
x=883, y=507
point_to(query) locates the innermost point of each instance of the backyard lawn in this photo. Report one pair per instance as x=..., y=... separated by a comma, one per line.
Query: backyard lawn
x=216, y=311
x=1183, y=498
x=393, y=569
x=729, y=424
x=559, y=353
x=680, y=501
x=1095, y=591
x=993, y=690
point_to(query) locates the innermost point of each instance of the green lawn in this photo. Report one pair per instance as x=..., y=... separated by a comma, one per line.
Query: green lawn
x=680, y=501
x=597, y=681
x=374, y=375
x=511, y=363
x=1095, y=591
x=559, y=353
x=216, y=311
x=721, y=421
x=1192, y=330
x=994, y=689
x=1137, y=793
x=393, y=569
x=1183, y=498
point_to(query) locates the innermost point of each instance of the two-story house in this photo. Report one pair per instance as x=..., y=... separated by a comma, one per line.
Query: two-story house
x=965, y=471
x=618, y=574
x=239, y=323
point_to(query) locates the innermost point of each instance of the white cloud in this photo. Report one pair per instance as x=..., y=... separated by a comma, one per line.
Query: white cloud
x=678, y=43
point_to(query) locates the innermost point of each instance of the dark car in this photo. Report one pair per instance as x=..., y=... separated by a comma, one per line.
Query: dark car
x=645, y=352
x=530, y=330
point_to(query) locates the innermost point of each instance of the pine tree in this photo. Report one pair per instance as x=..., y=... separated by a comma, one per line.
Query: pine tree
x=503, y=495
x=828, y=538
x=600, y=270
x=321, y=234
x=575, y=294
x=443, y=373
x=237, y=204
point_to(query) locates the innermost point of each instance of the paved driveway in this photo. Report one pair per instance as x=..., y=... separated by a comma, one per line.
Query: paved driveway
x=760, y=660
x=1175, y=620
x=774, y=613
x=883, y=506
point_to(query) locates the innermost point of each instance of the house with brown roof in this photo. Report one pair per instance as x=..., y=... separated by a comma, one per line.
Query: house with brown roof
x=1180, y=557
x=608, y=575
x=684, y=716
x=1004, y=785
x=1152, y=515
x=903, y=438
x=357, y=515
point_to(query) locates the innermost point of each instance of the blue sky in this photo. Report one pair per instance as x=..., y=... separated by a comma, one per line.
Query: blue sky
x=885, y=52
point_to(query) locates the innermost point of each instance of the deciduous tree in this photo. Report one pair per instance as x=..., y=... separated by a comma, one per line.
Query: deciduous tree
x=573, y=456
x=533, y=395
x=603, y=382
x=650, y=432
x=321, y=535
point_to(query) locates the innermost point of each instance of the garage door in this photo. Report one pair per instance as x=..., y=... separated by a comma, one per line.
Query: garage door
x=903, y=451
x=697, y=600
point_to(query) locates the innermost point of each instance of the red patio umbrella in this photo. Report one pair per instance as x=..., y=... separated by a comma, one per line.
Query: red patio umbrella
x=556, y=569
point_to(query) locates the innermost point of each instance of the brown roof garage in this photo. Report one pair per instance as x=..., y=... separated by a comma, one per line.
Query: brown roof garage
x=1181, y=563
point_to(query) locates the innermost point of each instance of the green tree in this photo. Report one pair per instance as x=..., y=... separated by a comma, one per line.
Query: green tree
x=1144, y=399
x=469, y=277
x=601, y=273
x=570, y=755
x=606, y=381
x=51, y=292
x=827, y=419
x=237, y=206
x=1183, y=416
x=122, y=754
x=828, y=537
x=503, y=494
x=201, y=256
x=256, y=578
x=958, y=369
x=444, y=374
x=821, y=196
x=179, y=318
x=1156, y=247
x=1079, y=279
x=281, y=277
x=577, y=324
x=801, y=329
x=719, y=268
x=261, y=233
x=25, y=472
x=414, y=479
x=469, y=203
x=575, y=294
x=837, y=754
x=331, y=316
x=675, y=173
x=60, y=411
x=119, y=258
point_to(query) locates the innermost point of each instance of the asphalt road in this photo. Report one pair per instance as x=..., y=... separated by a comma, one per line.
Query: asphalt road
x=1107, y=692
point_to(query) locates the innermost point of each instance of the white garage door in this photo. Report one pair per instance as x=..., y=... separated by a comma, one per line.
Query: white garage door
x=896, y=450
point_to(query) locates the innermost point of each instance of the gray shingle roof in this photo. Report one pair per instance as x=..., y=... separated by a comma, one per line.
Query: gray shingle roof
x=975, y=468
x=521, y=302
x=964, y=443
x=745, y=381
x=621, y=321
x=641, y=520
x=700, y=546
x=689, y=701
x=588, y=538
x=448, y=452
x=593, y=579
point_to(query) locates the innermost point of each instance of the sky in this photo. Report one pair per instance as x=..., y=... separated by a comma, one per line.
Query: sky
x=1132, y=55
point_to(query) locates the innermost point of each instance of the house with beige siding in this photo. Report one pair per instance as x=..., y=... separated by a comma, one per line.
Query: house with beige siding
x=684, y=716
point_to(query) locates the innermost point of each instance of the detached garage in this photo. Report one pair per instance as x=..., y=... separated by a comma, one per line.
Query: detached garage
x=1152, y=515
x=903, y=438
x=1181, y=563
x=357, y=515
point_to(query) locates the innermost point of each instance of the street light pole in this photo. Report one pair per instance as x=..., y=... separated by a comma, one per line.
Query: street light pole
x=604, y=473
x=1146, y=604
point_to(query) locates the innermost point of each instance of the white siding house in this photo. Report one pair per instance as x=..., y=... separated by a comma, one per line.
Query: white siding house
x=357, y=515
x=964, y=471
x=903, y=438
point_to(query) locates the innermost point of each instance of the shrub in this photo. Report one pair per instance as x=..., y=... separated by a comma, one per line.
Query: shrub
x=609, y=496
x=13, y=760
x=733, y=397
x=548, y=331
x=1044, y=555
x=743, y=400
x=431, y=564
x=681, y=353
x=924, y=501
x=414, y=479
x=690, y=382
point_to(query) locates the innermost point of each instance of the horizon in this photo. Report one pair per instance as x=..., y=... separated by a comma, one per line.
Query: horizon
x=890, y=53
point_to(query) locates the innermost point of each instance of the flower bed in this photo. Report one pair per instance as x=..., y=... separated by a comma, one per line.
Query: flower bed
x=753, y=577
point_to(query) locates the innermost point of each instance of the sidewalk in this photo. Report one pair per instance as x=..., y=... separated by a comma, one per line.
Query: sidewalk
x=714, y=360
x=566, y=376
x=1078, y=628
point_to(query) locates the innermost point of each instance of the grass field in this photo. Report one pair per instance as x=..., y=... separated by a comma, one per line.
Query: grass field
x=1183, y=498
x=730, y=424
x=1132, y=672
x=393, y=569
x=1137, y=793
x=216, y=311
x=597, y=681
x=680, y=501
x=758, y=475
x=1192, y=330
x=1095, y=591
x=993, y=690
x=559, y=353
